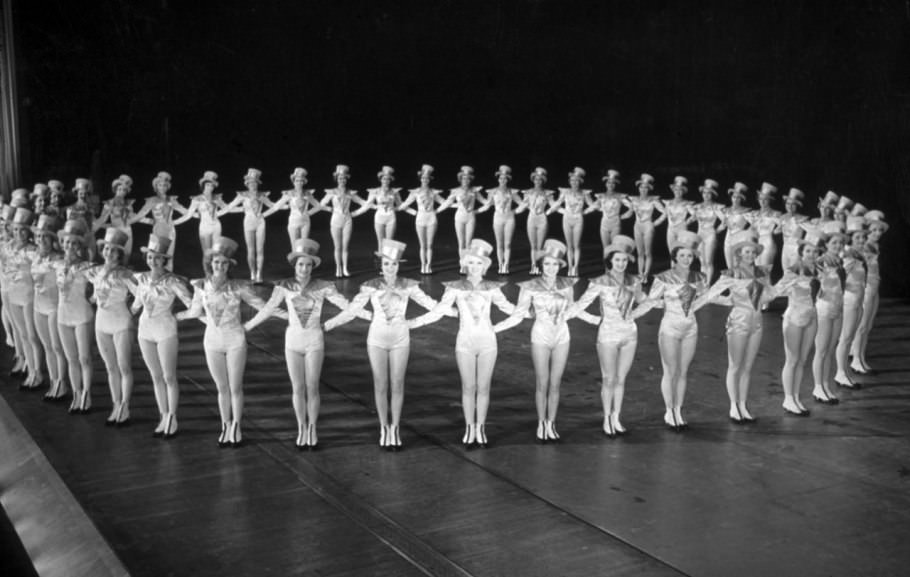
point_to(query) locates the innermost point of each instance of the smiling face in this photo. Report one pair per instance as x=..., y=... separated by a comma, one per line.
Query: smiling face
x=835, y=245
x=503, y=180
x=619, y=261
x=111, y=254
x=45, y=242
x=342, y=179
x=21, y=233
x=538, y=180
x=875, y=232
x=425, y=180
x=575, y=181
x=808, y=253
x=385, y=180
x=684, y=257
x=162, y=186
x=72, y=247
x=155, y=262
x=858, y=238
x=465, y=179
x=220, y=266
x=389, y=267
x=747, y=254
x=303, y=268
x=475, y=266
x=550, y=267
x=791, y=206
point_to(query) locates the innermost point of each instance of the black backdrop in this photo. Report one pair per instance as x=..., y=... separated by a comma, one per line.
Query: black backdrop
x=814, y=95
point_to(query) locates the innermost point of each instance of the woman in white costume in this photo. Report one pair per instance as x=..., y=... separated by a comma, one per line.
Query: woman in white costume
x=252, y=202
x=503, y=199
x=475, y=344
x=206, y=206
x=300, y=203
x=465, y=198
x=426, y=198
x=617, y=336
x=341, y=223
x=44, y=277
x=539, y=201
x=155, y=292
x=610, y=203
x=571, y=203
x=644, y=206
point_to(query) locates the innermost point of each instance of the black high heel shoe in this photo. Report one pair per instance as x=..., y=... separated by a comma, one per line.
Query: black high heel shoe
x=223, y=439
x=481, y=437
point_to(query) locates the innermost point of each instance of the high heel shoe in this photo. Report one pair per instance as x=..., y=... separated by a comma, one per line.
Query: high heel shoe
x=170, y=427
x=745, y=414
x=159, y=430
x=85, y=403
x=394, y=438
x=236, y=438
x=224, y=440
x=670, y=420
x=847, y=383
x=617, y=426
x=735, y=417
x=123, y=415
x=384, y=437
x=301, y=441
x=481, y=436
x=541, y=433
x=550, y=429
x=111, y=420
x=312, y=440
x=680, y=422
x=608, y=429
x=469, y=435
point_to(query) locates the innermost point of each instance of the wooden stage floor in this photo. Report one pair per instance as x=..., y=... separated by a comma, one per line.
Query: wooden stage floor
x=824, y=495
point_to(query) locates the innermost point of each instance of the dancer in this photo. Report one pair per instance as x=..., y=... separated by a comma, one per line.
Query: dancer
x=733, y=219
x=75, y=314
x=389, y=339
x=80, y=210
x=300, y=202
x=44, y=278
x=54, y=198
x=678, y=210
x=426, y=222
x=766, y=222
x=503, y=198
x=749, y=289
x=875, y=220
x=342, y=217
x=250, y=203
x=610, y=203
x=114, y=323
x=118, y=212
x=386, y=201
x=617, y=335
x=475, y=343
x=551, y=296
x=155, y=292
x=538, y=201
x=466, y=197
x=707, y=213
x=162, y=207
x=218, y=298
x=304, y=343
x=20, y=294
x=791, y=228
x=854, y=294
x=800, y=285
x=573, y=200
x=205, y=206
x=644, y=206
x=39, y=197
x=829, y=306
x=7, y=213
x=826, y=206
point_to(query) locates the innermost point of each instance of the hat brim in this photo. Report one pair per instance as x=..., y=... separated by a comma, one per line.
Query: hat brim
x=204, y=180
x=209, y=253
x=293, y=256
x=61, y=236
x=644, y=183
x=146, y=250
x=562, y=263
x=381, y=256
x=608, y=253
x=487, y=261
x=103, y=243
x=742, y=244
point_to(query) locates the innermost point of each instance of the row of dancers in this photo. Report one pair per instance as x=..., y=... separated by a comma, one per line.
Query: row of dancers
x=50, y=314
x=164, y=212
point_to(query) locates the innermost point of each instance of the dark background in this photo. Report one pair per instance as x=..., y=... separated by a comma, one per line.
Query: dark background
x=806, y=94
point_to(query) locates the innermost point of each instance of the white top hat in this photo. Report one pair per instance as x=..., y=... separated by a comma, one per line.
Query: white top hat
x=305, y=248
x=209, y=176
x=739, y=189
x=47, y=224
x=876, y=218
x=745, y=238
x=55, y=185
x=466, y=171
x=858, y=210
x=223, y=247
x=539, y=172
x=830, y=199
x=578, y=172
x=687, y=239
x=426, y=170
x=386, y=171
x=645, y=180
x=612, y=176
x=621, y=243
x=23, y=217
x=74, y=229
x=795, y=195
x=82, y=183
x=680, y=182
x=157, y=246
x=299, y=173
x=709, y=186
x=767, y=190
x=554, y=249
x=114, y=237
x=253, y=174
x=341, y=169
x=504, y=170
x=392, y=250
x=844, y=204
x=480, y=249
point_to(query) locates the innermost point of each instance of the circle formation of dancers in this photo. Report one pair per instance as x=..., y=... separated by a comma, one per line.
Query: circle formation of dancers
x=59, y=285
